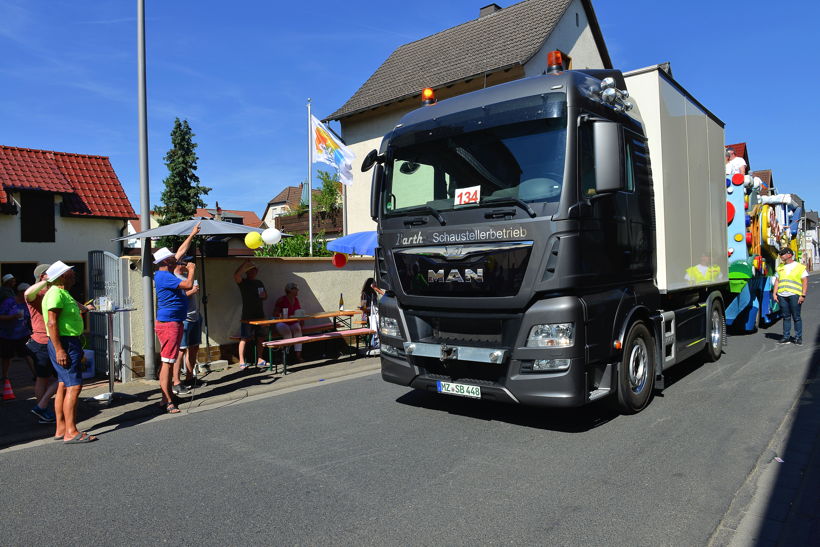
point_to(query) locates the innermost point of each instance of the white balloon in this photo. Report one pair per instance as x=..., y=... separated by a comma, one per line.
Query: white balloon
x=271, y=236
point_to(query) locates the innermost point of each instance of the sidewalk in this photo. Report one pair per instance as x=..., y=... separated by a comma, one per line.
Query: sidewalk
x=779, y=504
x=223, y=384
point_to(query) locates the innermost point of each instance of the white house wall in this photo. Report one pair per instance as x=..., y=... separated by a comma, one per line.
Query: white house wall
x=74, y=237
x=576, y=40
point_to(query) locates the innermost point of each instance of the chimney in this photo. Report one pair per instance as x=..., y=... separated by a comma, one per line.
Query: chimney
x=488, y=9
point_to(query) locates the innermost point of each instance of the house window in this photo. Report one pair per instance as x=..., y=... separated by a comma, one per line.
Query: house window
x=36, y=217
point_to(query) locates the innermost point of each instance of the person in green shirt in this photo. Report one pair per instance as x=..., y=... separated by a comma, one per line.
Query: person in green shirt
x=64, y=325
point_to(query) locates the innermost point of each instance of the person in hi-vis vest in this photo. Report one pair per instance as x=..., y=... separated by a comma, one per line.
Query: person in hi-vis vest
x=703, y=272
x=790, y=286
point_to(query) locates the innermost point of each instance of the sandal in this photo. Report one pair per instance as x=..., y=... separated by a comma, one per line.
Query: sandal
x=171, y=408
x=81, y=438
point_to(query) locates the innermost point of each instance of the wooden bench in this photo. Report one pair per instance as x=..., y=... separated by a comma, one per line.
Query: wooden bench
x=273, y=334
x=333, y=335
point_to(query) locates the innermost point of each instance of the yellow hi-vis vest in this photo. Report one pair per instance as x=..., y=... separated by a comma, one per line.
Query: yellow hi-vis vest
x=791, y=282
x=695, y=276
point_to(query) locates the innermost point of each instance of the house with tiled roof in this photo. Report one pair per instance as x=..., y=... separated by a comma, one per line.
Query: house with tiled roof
x=500, y=45
x=57, y=206
x=285, y=202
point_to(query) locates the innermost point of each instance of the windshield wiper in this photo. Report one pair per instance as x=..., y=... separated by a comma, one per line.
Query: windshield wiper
x=512, y=201
x=428, y=209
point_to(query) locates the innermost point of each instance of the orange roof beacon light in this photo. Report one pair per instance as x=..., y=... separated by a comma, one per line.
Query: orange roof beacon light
x=428, y=96
x=555, y=61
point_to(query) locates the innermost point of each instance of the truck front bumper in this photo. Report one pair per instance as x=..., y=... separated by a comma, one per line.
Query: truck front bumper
x=558, y=389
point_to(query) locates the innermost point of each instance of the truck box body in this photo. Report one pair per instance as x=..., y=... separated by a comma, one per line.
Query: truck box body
x=686, y=143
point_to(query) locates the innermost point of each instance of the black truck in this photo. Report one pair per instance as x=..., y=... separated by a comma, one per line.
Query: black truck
x=542, y=242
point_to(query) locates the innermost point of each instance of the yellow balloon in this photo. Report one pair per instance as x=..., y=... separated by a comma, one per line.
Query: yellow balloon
x=253, y=240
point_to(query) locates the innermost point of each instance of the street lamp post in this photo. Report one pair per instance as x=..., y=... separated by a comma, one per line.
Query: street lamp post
x=145, y=205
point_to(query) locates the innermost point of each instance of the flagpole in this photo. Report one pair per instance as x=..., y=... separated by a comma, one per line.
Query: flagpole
x=310, y=183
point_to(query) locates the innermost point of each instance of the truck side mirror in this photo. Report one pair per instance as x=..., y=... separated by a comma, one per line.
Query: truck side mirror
x=376, y=191
x=609, y=157
x=371, y=159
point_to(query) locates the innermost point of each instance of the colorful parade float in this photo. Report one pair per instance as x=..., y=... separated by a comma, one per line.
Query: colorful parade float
x=759, y=222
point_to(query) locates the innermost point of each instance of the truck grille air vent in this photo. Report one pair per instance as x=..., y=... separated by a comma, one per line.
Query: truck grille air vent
x=552, y=260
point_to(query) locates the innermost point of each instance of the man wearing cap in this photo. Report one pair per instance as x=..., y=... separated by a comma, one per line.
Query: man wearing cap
x=790, y=286
x=64, y=325
x=734, y=164
x=253, y=294
x=172, y=308
x=45, y=384
x=7, y=289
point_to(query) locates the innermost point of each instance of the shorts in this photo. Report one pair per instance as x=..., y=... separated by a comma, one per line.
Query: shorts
x=169, y=334
x=10, y=348
x=73, y=375
x=191, y=333
x=42, y=362
x=248, y=332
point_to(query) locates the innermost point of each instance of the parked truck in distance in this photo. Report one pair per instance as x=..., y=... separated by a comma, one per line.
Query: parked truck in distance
x=551, y=241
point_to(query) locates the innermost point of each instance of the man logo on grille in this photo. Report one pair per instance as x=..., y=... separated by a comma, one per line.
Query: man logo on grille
x=455, y=276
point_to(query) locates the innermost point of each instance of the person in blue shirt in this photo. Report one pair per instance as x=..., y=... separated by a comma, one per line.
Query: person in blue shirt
x=172, y=308
x=15, y=328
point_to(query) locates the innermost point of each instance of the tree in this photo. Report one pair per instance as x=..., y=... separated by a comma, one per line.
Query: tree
x=329, y=200
x=183, y=192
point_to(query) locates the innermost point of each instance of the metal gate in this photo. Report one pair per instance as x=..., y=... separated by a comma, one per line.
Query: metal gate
x=107, y=277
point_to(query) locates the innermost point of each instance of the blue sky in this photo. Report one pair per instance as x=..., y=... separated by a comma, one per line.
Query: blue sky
x=241, y=72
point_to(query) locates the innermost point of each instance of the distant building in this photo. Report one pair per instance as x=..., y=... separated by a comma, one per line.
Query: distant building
x=58, y=206
x=284, y=203
x=501, y=45
x=247, y=218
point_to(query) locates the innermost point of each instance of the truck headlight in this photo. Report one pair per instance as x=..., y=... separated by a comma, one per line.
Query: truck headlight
x=388, y=326
x=552, y=335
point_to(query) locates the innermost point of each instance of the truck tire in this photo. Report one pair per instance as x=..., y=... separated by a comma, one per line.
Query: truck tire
x=715, y=332
x=636, y=374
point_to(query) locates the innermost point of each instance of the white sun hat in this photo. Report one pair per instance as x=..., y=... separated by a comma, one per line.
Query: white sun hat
x=57, y=269
x=162, y=254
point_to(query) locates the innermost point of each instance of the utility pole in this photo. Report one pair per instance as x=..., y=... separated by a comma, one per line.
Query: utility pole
x=145, y=204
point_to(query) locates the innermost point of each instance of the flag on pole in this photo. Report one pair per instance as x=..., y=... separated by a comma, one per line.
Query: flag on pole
x=330, y=150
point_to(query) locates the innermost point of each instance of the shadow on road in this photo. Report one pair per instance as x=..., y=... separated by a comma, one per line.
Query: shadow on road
x=568, y=420
x=792, y=514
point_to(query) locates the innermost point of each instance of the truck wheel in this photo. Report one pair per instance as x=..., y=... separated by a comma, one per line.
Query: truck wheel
x=636, y=375
x=715, y=332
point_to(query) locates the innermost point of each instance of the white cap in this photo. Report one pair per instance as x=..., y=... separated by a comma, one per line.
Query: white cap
x=57, y=269
x=23, y=286
x=7, y=277
x=162, y=254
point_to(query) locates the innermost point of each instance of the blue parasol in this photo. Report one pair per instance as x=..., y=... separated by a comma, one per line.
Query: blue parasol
x=359, y=243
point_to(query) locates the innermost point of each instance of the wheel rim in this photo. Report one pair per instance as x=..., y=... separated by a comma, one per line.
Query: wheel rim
x=716, y=335
x=638, y=365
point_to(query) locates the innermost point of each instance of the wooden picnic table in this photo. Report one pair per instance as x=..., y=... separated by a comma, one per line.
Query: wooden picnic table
x=343, y=317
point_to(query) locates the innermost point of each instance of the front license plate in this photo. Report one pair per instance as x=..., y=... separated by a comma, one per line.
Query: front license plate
x=462, y=390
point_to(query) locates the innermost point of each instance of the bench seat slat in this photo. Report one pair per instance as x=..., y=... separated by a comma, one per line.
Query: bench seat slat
x=318, y=337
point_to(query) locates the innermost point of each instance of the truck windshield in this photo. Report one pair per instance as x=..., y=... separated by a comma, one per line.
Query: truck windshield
x=523, y=161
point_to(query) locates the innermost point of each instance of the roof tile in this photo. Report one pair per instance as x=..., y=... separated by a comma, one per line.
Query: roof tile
x=89, y=185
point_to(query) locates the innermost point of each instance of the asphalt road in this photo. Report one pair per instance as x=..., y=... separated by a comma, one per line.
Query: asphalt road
x=361, y=461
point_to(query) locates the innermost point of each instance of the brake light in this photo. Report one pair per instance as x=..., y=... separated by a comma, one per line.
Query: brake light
x=428, y=96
